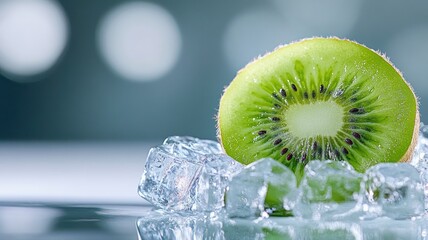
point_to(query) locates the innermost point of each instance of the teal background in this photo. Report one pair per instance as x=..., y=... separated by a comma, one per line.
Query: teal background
x=81, y=98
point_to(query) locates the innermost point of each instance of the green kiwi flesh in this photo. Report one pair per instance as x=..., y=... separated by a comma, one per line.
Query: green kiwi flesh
x=320, y=98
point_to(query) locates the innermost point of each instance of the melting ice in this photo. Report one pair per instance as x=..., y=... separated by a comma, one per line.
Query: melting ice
x=190, y=174
x=185, y=173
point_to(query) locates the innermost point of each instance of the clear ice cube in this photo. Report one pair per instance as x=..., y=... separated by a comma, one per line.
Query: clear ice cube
x=167, y=179
x=328, y=190
x=187, y=146
x=260, y=189
x=420, y=159
x=186, y=172
x=393, y=190
x=420, y=154
x=214, y=178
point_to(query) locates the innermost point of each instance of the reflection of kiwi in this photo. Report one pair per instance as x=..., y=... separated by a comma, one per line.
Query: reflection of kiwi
x=319, y=99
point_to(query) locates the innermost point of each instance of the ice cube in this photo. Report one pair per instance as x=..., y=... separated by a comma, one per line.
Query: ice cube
x=215, y=176
x=420, y=153
x=424, y=131
x=393, y=190
x=328, y=190
x=420, y=159
x=185, y=145
x=167, y=179
x=259, y=189
x=172, y=175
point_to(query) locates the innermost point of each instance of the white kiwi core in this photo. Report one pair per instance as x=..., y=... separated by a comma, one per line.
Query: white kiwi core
x=314, y=119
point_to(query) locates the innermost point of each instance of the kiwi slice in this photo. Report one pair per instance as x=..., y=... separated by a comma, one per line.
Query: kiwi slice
x=319, y=98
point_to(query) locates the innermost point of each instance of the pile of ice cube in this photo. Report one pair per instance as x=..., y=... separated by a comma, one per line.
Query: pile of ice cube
x=192, y=175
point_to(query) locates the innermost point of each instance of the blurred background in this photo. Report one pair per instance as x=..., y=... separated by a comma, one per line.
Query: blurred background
x=87, y=87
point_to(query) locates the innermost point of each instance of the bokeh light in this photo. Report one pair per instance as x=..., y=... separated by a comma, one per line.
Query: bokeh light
x=33, y=35
x=139, y=41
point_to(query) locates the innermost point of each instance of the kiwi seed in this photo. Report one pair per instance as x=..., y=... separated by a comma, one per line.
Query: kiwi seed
x=320, y=98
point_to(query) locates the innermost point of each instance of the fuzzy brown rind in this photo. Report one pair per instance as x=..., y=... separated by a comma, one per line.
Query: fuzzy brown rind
x=409, y=153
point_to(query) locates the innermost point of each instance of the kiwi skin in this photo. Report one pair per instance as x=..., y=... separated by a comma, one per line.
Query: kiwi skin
x=407, y=157
x=408, y=153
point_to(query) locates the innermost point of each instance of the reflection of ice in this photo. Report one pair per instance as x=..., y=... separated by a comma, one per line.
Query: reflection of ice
x=157, y=225
x=187, y=172
x=173, y=226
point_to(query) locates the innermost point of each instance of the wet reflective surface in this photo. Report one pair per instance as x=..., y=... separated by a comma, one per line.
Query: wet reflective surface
x=161, y=226
x=55, y=221
x=38, y=221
